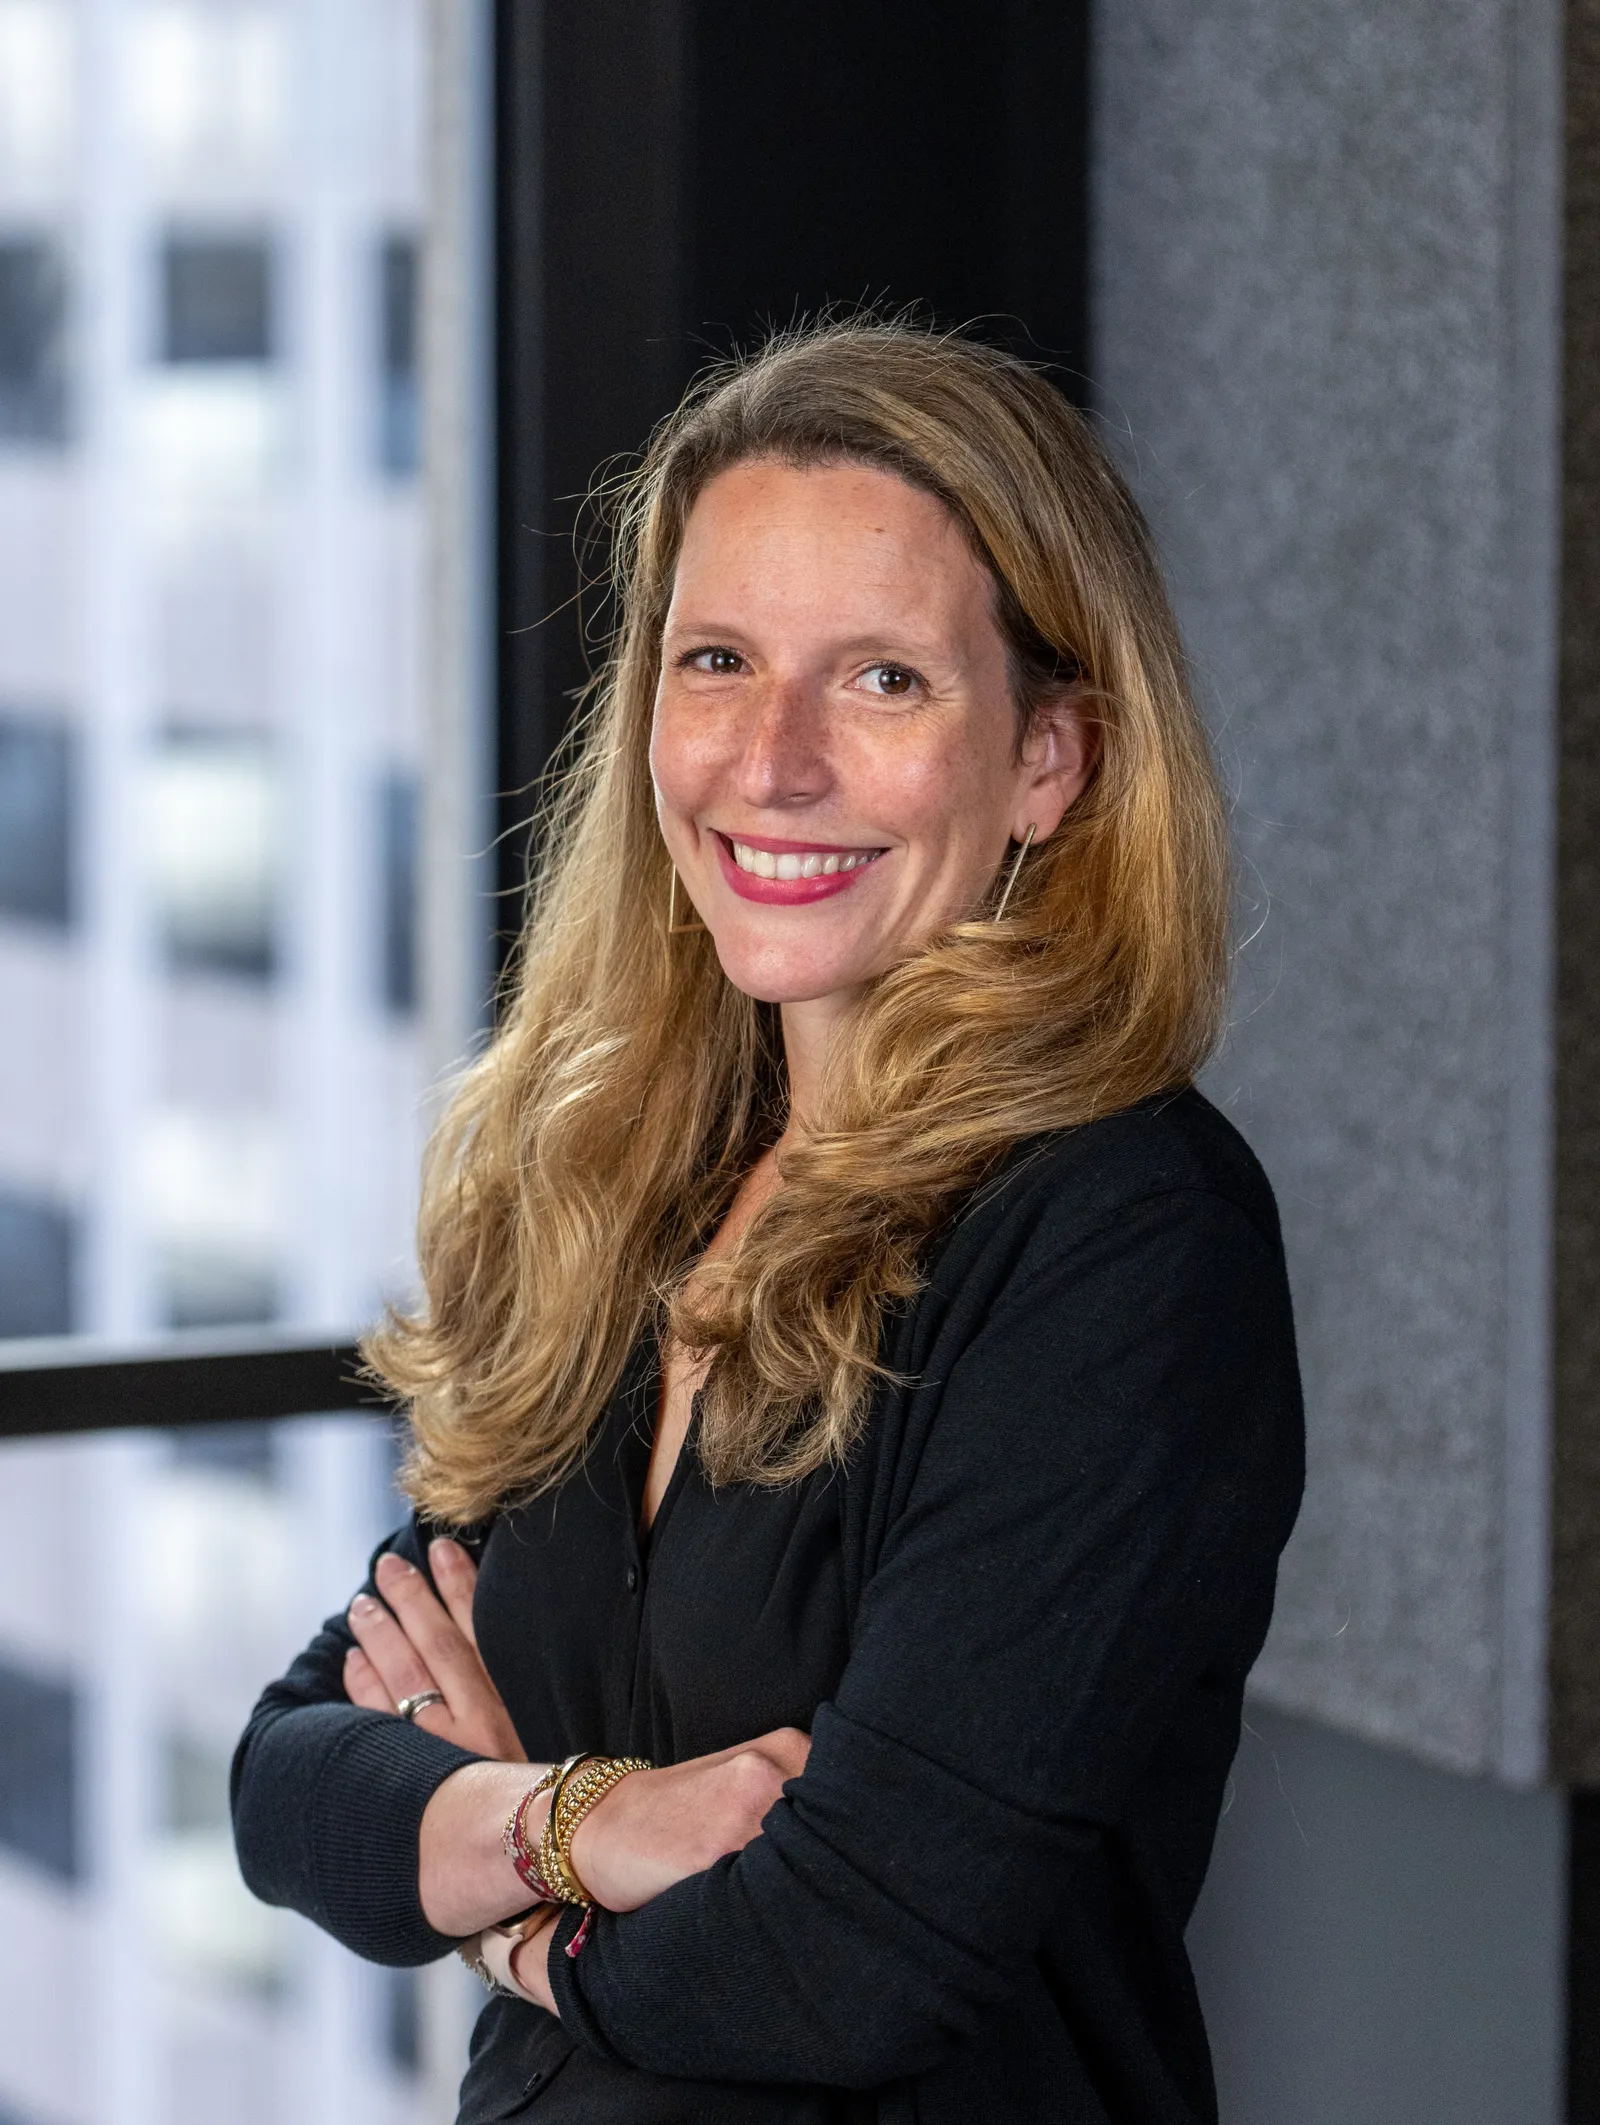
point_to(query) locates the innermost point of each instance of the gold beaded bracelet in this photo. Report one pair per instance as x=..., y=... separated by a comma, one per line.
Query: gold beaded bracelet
x=584, y=1781
x=558, y=1882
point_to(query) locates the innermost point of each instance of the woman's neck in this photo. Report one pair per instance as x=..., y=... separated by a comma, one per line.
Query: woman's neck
x=809, y=1029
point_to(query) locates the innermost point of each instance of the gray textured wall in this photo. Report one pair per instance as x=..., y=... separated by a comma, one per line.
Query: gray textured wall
x=1575, y=1622
x=1379, y=1943
x=1325, y=290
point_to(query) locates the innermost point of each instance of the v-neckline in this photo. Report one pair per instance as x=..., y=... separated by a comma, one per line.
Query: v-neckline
x=648, y=1536
x=642, y=1401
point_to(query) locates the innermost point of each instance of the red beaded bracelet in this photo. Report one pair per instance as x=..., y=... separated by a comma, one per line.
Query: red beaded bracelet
x=523, y=1853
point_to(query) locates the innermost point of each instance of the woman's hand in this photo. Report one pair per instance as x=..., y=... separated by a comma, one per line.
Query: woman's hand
x=655, y=1827
x=649, y=1831
x=519, y=1959
x=419, y=1642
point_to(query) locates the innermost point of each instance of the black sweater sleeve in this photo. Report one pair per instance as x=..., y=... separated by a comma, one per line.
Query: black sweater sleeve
x=1090, y=1519
x=328, y=1799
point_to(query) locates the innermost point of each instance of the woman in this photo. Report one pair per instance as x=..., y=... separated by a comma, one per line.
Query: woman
x=856, y=1375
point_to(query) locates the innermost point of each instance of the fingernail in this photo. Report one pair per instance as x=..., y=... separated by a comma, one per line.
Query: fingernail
x=443, y=1551
x=395, y=1567
x=364, y=1605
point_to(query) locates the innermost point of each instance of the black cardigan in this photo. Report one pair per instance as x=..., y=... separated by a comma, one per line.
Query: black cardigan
x=1017, y=1629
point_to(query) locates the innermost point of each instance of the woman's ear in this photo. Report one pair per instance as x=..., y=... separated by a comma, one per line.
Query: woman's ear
x=1058, y=757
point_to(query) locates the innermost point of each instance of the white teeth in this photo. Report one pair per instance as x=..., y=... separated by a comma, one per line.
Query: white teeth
x=764, y=864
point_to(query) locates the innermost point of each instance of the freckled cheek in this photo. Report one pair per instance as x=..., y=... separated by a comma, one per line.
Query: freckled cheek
x=924, y=794
x=688, y=759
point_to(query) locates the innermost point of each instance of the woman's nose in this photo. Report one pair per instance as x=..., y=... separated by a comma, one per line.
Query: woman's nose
x=783, y=759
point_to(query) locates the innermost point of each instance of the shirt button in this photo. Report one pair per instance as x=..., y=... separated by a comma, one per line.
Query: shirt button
x=633, y=1578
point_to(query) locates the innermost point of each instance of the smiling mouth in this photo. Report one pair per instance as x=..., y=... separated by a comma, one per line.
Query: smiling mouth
x=797, y=863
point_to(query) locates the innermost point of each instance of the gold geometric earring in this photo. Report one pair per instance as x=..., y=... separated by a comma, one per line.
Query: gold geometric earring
x=1015, y=869
x=675, y=928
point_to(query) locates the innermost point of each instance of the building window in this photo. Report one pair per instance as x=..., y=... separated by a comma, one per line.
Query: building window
x=38, y=784
x=212, y=845
x=38, y=1772
x=217, y=299
x=38, y=1247
x=248, y=1452
x=402, y=2020
x=213, y=1198
x=33, y=330
x=397, y=840
x=399, y=401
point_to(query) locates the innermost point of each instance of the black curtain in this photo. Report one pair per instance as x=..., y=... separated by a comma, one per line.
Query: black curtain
x=675, y=176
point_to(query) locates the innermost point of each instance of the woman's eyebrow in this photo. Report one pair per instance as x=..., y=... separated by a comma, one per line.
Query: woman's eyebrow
x=706, y=630
x=893, y=639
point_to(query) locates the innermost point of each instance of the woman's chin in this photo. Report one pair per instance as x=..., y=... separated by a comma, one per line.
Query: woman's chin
x=783, y=977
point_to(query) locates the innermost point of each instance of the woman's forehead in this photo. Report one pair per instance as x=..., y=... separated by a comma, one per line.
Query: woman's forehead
x=767, y=535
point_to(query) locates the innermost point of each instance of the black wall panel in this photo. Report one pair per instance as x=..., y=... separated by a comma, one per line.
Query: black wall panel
x=676, y=175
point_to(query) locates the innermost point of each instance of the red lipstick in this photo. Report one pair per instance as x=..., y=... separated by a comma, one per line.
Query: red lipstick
x=789, y=892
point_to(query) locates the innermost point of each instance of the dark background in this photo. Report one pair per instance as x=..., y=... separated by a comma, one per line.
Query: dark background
x=675, y=177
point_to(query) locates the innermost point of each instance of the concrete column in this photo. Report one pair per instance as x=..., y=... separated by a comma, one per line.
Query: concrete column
x=1575, y=1613
x=1328, y=288
x=1346, y=291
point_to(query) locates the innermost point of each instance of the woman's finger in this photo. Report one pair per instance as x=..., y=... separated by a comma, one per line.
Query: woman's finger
x=363, y=1685
x=456, y=1577
x=399, y=1666
x=450, y=1658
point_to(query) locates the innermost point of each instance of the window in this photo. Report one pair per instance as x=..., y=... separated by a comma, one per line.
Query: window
x=216, y=299
x=397, y=840
x=38, y=1771
x=399, y=402
x=213, y=1064
x=38, y=1248
x=212, y=1189
x=33, y=376
x=37, y=806
x=213, y=844
x=122, y=1693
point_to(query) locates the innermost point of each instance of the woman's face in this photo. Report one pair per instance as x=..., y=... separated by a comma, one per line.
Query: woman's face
x=834, y=745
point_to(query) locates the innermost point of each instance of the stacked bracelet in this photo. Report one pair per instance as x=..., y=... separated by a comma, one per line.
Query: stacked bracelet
x=580, y=1784
x=520, y=1850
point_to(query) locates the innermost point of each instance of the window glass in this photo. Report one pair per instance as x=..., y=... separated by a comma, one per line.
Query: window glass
x=214, y=850
x=399, y=829
x=211, y=1043
x=38, y=1264
x=210, y=718
x=38, y=803
x=33, y=375
x=149, y=1585
x=399, y=407
x=217, y=299
x=39, y=1724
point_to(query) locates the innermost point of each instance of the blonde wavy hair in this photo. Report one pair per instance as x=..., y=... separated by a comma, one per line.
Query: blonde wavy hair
x=589, y=1152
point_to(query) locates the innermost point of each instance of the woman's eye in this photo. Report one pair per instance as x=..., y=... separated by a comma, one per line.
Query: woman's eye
x=891, y=679
x=722, y=663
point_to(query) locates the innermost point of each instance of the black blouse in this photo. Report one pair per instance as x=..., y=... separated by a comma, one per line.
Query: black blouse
x=1017, y=1628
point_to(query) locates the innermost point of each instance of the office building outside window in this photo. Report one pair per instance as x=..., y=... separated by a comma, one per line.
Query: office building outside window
x=211, y=1070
